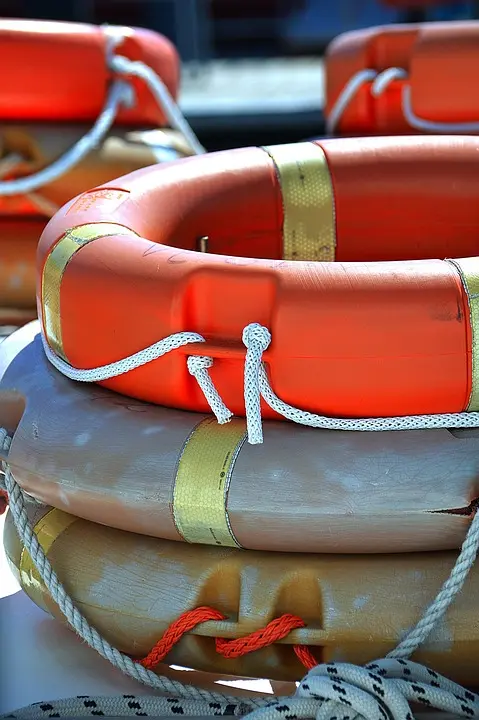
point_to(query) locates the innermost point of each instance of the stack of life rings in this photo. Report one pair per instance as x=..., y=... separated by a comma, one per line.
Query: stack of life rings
x=79, y=106
x=159, y=310
x=244, y=431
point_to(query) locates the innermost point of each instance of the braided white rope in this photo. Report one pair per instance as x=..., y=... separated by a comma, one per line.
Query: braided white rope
x=352, y=87
x=256, y=385
x=120, y=94
x=5, y=442
x=380, y=82
x=46, y=207
x=124, y=66
x=327, y=692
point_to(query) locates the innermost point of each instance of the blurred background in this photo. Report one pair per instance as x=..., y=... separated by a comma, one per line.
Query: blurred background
x=252, y=69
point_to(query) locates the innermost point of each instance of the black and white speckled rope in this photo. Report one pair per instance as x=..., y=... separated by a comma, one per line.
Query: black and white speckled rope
x=382, y=690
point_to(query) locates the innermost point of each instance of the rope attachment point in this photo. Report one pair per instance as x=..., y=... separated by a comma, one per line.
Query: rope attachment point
x=380, y=81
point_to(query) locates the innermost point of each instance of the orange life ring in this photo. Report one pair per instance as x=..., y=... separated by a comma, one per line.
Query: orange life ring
x=351, y=338
x=400, y=79
x=58, y=71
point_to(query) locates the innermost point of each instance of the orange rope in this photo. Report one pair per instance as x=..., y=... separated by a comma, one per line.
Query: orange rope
x=275, y=630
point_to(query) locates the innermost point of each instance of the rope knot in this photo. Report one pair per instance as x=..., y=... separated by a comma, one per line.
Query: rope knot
x=198, y=366
x=197, y=363
x=257, y=335
x=257, y=339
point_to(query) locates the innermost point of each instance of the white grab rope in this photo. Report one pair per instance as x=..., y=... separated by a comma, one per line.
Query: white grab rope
x=120, y=94
x=124, y=66
x=331, y=691
x=380, y=81
x=7, y=165
x=352, y=87
x=256, y=338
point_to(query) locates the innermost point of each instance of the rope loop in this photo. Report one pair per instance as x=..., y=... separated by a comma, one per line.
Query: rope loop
x=380, y=81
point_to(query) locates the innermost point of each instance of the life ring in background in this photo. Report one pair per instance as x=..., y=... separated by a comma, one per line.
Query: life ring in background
x=58, y=85
x=387, y=330
x=354, y=609
x=401, y=79
x=182, y=476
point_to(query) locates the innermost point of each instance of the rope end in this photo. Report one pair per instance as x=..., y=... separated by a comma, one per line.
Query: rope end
x=255, y=436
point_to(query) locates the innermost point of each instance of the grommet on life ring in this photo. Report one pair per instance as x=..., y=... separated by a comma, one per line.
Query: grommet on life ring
x=182, y=476
x=131, y=588
x=401, y=79
x=362, y=337
x=48, y=152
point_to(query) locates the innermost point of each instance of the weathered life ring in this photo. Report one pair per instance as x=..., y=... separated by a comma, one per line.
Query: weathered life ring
x=131, y=588
x=398, y=79
x=180, y=476
x=48, y=154
x=353, y=338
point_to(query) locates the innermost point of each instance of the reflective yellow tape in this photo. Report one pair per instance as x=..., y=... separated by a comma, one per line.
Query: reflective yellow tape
x=55, y=265
x=47, y=530
x=202, y=482
x=309, y=226
x=468, y=269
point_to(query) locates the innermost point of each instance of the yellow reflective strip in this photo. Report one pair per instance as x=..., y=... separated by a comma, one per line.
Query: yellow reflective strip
x=309, y=227
x=47, y=530
x=468, y=269
x=202, y=482
x=55, y=265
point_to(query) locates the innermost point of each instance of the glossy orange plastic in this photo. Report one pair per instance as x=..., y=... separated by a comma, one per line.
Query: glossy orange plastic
x=384, y=331
x=440, y=60
x=57, y=71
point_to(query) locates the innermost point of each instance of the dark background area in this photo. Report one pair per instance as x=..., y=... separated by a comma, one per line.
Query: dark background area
x=235, y=31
